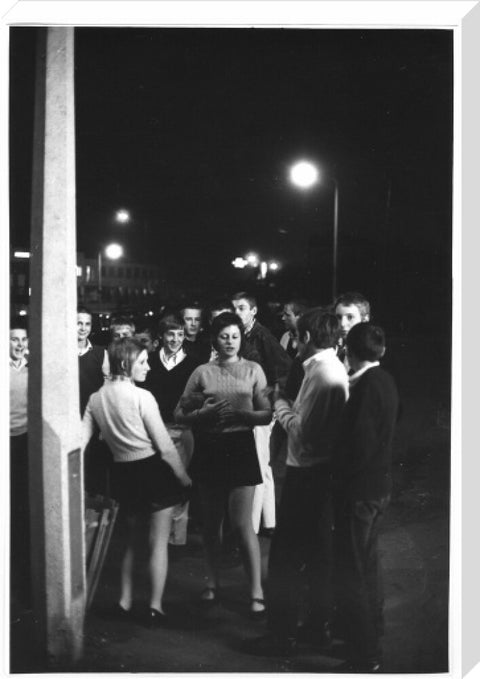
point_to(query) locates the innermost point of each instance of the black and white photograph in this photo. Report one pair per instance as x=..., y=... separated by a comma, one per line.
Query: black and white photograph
x=230, y=347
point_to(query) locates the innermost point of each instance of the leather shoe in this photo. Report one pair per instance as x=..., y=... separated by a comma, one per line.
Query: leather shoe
x=155, y=618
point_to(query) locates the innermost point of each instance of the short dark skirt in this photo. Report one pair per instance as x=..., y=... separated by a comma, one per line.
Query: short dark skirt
x=146, y=486
x=225, y=460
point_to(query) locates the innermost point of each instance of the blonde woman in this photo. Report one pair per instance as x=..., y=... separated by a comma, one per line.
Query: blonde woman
x=149, y=478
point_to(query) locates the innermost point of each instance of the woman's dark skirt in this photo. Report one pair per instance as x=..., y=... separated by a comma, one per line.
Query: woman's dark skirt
x=146, y=486
x=227, y=460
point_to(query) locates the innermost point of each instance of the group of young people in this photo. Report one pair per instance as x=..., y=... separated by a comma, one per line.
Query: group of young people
x=185, y=406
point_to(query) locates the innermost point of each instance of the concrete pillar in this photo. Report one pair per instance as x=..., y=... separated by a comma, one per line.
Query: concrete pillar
x=56, y=484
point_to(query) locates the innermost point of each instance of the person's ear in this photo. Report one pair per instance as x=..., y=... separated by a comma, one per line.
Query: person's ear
x=254, y=310
x=383, y=352
x=366, y=318
x=306, y=337
x=155, y=343
x=123, y=364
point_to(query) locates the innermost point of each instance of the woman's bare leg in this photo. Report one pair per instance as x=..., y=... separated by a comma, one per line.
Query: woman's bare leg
x=160, y=524
x=126, y=571
x=240, y=512
x=213, y=508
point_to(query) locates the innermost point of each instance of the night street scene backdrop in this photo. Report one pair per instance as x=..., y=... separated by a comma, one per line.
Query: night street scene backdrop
x=194, y=131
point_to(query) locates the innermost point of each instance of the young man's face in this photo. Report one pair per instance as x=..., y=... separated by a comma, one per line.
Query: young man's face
x=18, y=343
x=289, y=317
x=147, y=341
x=119, y=331
x=84, y=326
x=172, y=340
x=244, y=311
x=348, y=315
x=193, y=322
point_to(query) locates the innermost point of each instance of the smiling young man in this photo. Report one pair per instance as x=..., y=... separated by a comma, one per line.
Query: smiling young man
x=19, y=478
x=170, y=368
x=93, y=365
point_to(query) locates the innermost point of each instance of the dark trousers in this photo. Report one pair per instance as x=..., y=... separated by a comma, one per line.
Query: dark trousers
x=20, y=572
x=301, y=551
x=358, y=583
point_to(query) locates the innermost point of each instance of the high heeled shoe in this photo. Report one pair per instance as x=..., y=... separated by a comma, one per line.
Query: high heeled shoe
x=155, y=618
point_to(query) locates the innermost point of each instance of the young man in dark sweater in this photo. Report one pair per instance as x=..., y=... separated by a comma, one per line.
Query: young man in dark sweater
x=93, y=369
x=170, y=368
x=362, y=488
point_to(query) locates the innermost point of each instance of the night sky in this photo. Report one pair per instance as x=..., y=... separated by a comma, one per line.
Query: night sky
x=193, y=130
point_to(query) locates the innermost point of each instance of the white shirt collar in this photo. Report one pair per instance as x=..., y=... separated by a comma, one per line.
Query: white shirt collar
x=87, y=347
x=353, y=379
x=18, y=366
x=320, y=355
x=171, y=361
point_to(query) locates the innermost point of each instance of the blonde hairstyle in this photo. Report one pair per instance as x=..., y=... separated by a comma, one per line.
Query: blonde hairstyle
x=122, y=354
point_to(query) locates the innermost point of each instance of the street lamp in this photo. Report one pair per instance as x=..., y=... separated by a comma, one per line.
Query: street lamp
x=304, y=175
x=122, y=216
x=112, y=251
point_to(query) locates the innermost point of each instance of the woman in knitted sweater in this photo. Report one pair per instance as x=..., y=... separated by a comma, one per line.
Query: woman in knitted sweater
x=148, y=476
x=225, y=465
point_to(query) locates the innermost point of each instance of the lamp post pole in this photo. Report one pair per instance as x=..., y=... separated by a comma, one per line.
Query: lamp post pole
x=304, y=175
x=99, y=275
x=335, y=240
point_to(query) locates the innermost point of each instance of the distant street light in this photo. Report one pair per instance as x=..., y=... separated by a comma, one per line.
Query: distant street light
x=112, y=251
x=273, y=266
x=304, y=175
x=252, y=259
x=122, y=216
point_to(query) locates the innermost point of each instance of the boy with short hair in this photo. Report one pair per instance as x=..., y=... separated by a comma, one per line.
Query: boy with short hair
x=121, y=326
x=19, y=478
x=196, y=344
x=93, y=366
x=170, y=368
x=362, y=487
x=350, y=308
x=147, y=337
x=302, y=543
x=292, y=311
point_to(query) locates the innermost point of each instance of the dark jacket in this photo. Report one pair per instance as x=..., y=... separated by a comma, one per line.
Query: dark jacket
x=363, y=454
x=261, y=346
x=90, y=374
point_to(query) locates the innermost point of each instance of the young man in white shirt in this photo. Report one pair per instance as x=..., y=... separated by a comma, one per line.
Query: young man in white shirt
x=302, y=542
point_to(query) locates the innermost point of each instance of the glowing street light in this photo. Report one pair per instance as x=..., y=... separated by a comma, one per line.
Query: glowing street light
x=252, y=259
x=122, y=216
x=273, y=266
x=112, y=251
x=304, y=175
